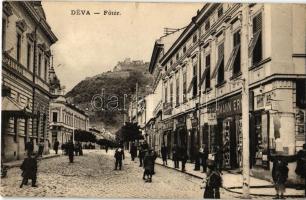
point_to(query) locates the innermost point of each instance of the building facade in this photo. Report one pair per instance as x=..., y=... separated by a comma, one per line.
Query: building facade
x=202, y=83
x=26, y=41
x=65, y=118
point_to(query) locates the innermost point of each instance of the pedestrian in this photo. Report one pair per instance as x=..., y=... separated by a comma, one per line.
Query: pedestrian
x=29, y=170
x=29, y=147
x=213, y=181
x=164, y=153
x=55, y=146
x=279, y=175
x=40, y=148
x=148, y=164
x=119, y=156
x=197, y=159
x=183, y=157
x=133, y=151
x=301, y=165
x=218, y=158
x=175, y=156
x=80, y=149
x=203, y=154
x=70, y=150
x=141, y=154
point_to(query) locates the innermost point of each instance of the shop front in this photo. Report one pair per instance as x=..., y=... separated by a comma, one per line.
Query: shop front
x=168, y=135
x=223, y=130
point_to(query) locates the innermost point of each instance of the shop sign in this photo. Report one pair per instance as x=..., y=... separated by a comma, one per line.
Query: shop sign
x=194, y=122
x=168, y=125
x=260, y=101
x=212, y=119
x=226, y=107
x=181, y=121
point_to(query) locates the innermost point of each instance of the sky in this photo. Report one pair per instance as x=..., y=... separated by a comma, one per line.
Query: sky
x=92, y=44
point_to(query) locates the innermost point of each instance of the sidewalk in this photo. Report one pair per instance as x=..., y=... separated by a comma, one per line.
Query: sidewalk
x=17, y=163
x=233, y=182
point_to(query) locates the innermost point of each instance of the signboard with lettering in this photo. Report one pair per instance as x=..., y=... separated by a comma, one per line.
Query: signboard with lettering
x=226, y=107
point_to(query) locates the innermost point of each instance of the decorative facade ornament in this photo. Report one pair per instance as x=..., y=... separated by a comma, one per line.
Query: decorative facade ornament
x=22, y=25
x=7, y=9
x=42, y=46
x=31, y=36
x=48, y=53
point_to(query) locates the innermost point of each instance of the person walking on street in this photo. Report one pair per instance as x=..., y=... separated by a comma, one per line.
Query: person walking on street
x=203, y=153
x=70, y=150
x=184, y=157
x=148, y=164
x=213, y=182
x=29, y=170
x=119, y=156
x=133, y=151
x=175, y=156
x=141, y=154
x=219, y=158
x=279, y=175
x=29, y=147
x=55, y=146
x=301, y=165
x=40, y=148
x=164, y=153
x=197, y=159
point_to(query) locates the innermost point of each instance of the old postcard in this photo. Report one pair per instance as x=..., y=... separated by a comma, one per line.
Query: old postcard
x=153, y=100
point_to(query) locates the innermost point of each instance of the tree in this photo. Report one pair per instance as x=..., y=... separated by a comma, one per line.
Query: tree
x=129, y=132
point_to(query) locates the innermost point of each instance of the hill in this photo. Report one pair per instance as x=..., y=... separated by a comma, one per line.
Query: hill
x=104, y=95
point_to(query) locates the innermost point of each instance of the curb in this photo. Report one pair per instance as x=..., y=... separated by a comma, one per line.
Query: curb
x=9, y=166
x=229, y=189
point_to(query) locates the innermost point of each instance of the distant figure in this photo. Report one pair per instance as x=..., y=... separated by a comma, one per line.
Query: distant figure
x=148, y=164
x=29, y=170
x=133, y=151
x=119, y=156
x=203, y=153
x=55, y=146
x=40, y=148
x=64, y=150
x=197, y=163
x=213, y=182
x=164, y=153
x=141, y=154
x=29, y=147
x=301, y=165
x=175, y=156
x=184, y=157
x=279, y=175
x=70, y=150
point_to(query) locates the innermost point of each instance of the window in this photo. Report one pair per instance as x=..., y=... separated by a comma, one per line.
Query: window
x=177, y=56
x=18, y=47
x=207, y=66
x=39, y=64
x=171, y=62
x=3, y=34
x=29, y=55
x=256, y=47
x=220, y=77
x=166, y=68
x=171, y=93
x=177, y=91
x=185, y=86
x=207, y=25
x=184, y=49
x=54, y=116
x=237, y=60
x=220, y=12
x=46, y=69
x=194, y=38
x=195, y=79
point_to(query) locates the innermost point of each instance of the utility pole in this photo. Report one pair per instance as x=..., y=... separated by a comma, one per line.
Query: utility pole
x=245, y=101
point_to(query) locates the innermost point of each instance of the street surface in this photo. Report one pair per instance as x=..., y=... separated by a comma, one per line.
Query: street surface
x=92, y=175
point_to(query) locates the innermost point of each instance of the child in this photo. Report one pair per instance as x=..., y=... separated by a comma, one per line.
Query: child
x=29, y=170
x=279, y=175
x=213, y=182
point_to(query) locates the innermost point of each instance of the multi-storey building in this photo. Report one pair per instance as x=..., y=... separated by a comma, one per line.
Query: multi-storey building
x=202, y=82
x=26, y=41
x=65, y=118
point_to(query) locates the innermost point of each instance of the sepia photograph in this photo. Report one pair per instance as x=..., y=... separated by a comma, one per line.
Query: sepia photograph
x=153, y=100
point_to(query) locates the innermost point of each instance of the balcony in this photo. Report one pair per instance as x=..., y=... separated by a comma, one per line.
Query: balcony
x=15, y=66
x=167, y=108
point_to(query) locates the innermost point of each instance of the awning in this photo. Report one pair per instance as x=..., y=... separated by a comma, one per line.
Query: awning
x=12, y=108
x=232, y=58
x=203, y=76
x=253, y=42
x=217, y=66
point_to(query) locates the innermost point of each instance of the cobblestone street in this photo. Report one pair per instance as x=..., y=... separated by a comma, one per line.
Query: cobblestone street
x=92, y=175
